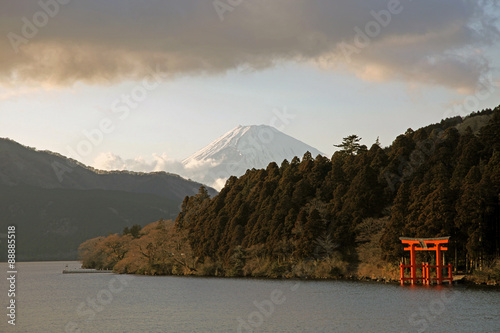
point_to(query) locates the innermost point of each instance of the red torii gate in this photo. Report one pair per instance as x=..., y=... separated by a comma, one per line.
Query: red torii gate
x=425, y=244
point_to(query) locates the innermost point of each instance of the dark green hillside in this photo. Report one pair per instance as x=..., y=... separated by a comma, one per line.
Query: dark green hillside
x=431, y=182
x=51, y=223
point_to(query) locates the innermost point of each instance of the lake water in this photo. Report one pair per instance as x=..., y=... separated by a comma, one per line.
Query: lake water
x=49, y=301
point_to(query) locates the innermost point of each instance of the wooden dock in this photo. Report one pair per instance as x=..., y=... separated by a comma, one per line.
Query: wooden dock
x=86, y=270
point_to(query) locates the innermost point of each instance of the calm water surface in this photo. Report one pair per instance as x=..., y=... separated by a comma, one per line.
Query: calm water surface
x=49, y=301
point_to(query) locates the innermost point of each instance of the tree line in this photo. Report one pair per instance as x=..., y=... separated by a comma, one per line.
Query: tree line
x=306, y=217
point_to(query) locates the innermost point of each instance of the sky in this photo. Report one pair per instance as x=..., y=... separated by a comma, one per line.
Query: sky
x=144, y=84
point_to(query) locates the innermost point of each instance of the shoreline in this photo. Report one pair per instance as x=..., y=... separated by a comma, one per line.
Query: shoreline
x=466, y=280
x=462, y=282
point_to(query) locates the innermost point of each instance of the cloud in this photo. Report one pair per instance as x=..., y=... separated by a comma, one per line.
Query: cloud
x=110, y=161
x=197, y=164
x=198, y=171
x=95, y=41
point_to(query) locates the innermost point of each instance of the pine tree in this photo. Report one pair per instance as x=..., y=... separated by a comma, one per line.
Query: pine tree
x=350, y=145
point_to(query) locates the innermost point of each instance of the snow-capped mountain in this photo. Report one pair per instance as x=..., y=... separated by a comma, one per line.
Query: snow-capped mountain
x=244, y=147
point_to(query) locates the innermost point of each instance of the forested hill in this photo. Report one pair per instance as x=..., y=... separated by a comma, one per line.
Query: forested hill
x=320, y=217
x=56, y=202
x=440, y=180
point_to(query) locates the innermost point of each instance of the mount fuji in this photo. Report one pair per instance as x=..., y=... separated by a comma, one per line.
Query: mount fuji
x=244, y=147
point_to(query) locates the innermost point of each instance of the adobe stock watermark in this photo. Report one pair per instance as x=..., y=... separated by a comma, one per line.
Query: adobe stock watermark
x=264, y=310
x=120, y=108
x=87, y=311
x=11, y=275
x=31, y=27
x=223, y=6
x=372, y=29
x=422, y=319
x=407, y=166
x=251, y=148
x=485, y=89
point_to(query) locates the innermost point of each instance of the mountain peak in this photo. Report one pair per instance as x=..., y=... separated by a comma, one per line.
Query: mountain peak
x=242, y=148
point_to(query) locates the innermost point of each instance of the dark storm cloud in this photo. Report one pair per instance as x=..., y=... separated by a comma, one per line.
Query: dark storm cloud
x=60, y=42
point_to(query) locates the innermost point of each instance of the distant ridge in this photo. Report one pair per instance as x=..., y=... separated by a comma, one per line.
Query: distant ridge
x=21, y=165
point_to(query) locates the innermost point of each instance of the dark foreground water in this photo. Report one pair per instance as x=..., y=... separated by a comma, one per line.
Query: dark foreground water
x=49, y=301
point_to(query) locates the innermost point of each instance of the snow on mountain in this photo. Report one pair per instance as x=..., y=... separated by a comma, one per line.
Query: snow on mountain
x=244, y=147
